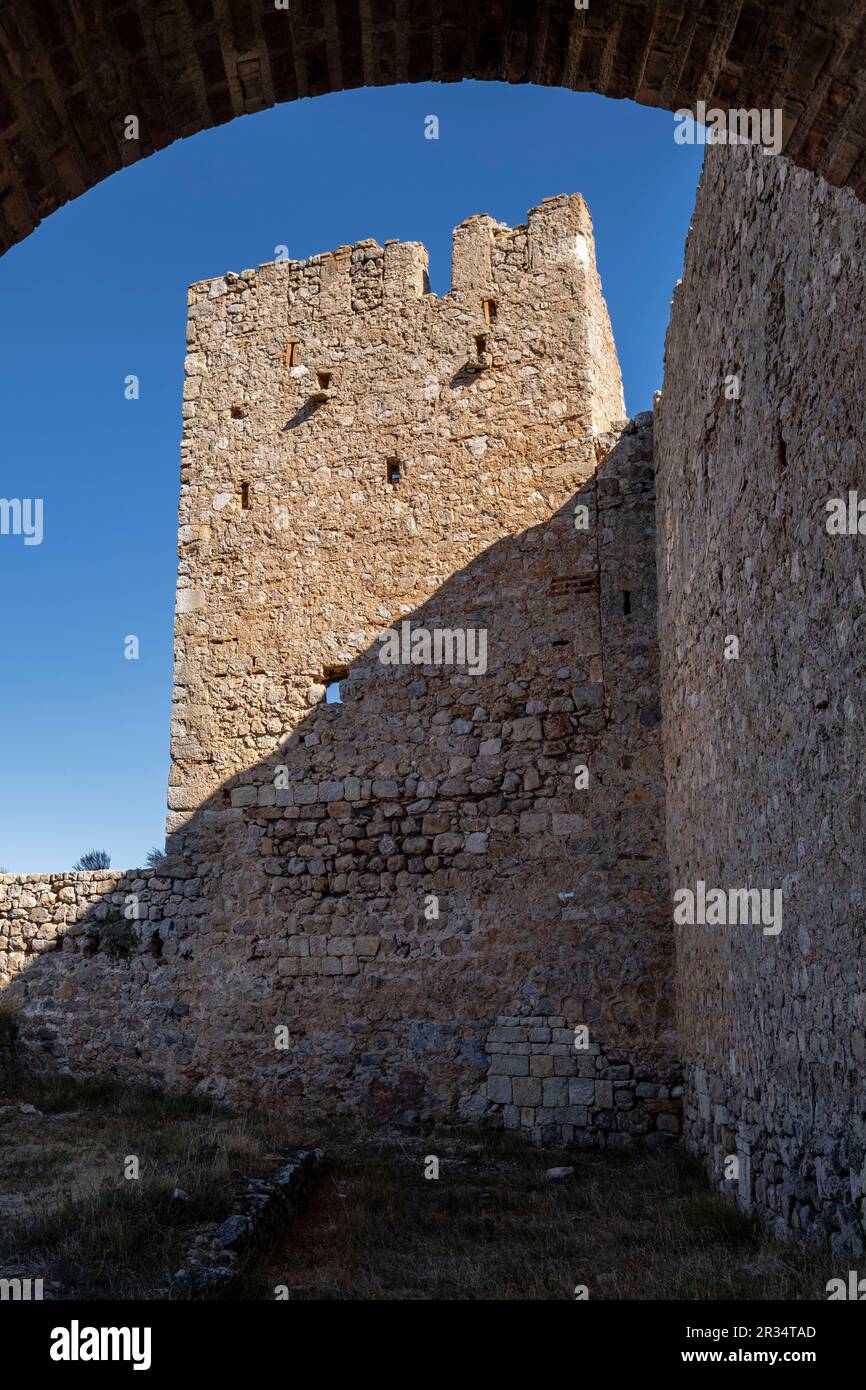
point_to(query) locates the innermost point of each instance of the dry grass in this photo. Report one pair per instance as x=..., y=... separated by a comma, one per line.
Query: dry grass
x=634, y=1225
x=70, y=1216
x=640, y=1225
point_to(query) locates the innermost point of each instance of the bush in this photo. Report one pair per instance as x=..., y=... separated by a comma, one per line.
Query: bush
x=93, y=859
x=118, y=937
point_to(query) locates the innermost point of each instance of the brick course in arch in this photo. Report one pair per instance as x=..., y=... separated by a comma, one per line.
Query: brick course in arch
x=72, y=70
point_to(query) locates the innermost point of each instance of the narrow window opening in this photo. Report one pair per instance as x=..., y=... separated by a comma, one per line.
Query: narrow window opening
x=322, y=389
x=781, y=450
x=394, y=473
x=293, y=355
x=332, y=681
x=626, y=601
x=490, y=311
x=245, y=497
x=480, y=344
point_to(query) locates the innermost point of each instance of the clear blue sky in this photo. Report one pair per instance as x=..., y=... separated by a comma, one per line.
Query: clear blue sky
x=99, y=292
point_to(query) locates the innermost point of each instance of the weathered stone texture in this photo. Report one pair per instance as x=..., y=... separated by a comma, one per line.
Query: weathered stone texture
x=295, y=549
x=764, y=764
x=77, y=1007
x=71, y=75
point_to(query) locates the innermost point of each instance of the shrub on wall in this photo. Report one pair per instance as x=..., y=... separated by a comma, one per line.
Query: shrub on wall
x=118, y=938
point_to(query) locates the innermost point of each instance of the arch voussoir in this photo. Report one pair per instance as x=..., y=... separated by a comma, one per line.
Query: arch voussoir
x=71, y=76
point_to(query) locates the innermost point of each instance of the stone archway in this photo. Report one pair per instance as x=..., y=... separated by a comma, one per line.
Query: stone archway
x=71, y=73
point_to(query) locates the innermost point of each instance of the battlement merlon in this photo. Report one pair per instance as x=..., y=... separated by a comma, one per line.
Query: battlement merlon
x=557, y=234
x=561, y=234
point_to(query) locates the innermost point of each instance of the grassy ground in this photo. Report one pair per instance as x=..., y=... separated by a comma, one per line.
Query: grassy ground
x=68, y=1214
x=639, y=1224
x=634, y=1225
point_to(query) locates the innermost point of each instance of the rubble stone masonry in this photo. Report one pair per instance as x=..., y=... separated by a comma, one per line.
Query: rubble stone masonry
x=764, y=752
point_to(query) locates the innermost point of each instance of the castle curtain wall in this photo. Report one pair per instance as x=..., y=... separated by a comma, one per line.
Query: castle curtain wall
x=760, y=424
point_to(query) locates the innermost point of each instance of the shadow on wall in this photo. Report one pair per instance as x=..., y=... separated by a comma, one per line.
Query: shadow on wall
x=411, y=891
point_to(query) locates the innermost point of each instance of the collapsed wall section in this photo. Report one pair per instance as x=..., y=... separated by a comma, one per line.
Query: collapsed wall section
x=759, y=427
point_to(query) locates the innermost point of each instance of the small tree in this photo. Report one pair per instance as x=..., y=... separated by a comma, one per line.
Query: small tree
x=93, y=859
x=155, y=858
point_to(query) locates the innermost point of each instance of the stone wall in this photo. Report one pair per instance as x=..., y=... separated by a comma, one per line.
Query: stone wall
x=764, y=765
x=549, y=917
x=403, y=904
x=85, y=959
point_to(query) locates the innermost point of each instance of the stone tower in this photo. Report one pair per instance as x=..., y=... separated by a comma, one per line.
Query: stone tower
x=306, y=383
x=395, y=499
